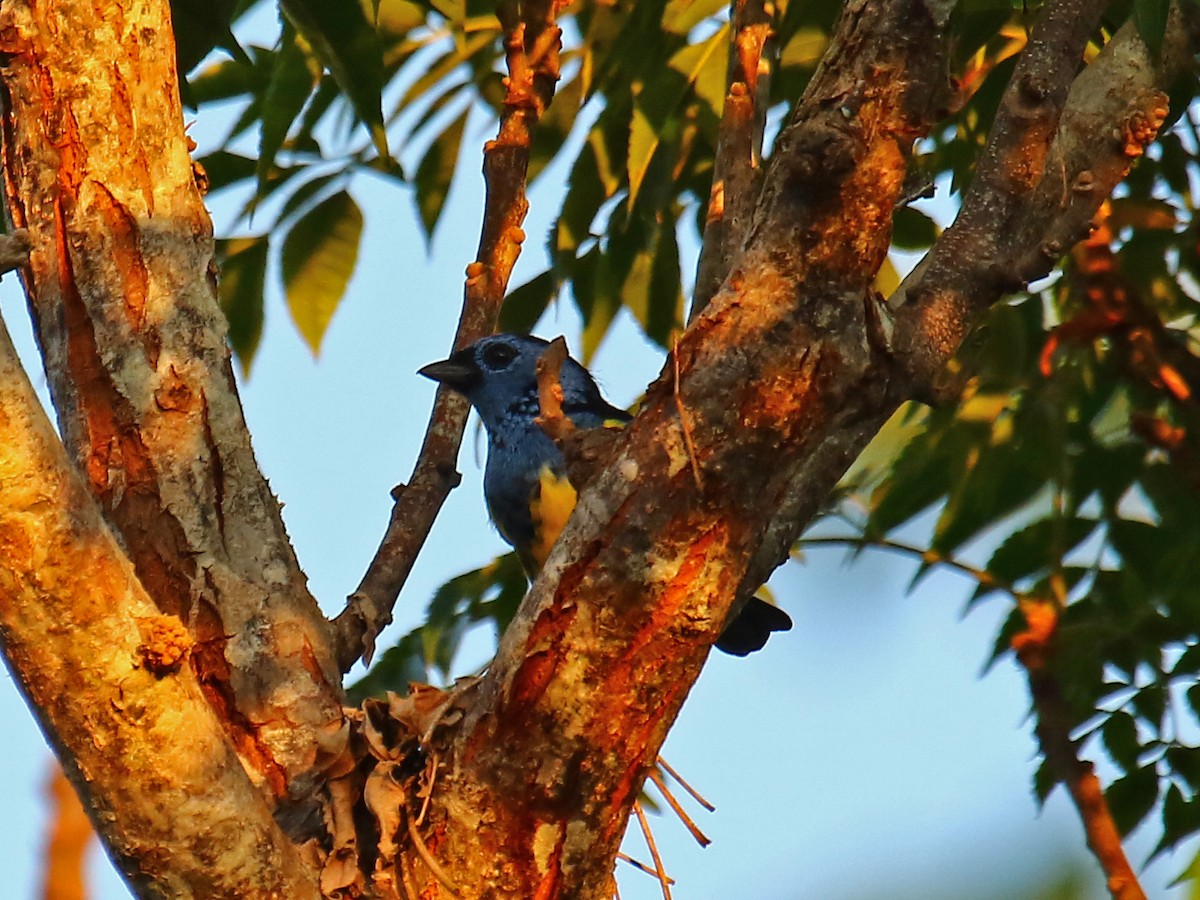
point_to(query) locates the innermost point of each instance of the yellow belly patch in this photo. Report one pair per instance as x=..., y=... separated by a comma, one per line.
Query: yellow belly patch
x=550, y=509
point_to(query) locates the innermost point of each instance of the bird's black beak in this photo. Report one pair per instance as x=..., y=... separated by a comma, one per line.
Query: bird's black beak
x=458, y=372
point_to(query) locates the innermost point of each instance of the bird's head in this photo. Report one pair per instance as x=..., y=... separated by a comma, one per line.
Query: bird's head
x=498, y=374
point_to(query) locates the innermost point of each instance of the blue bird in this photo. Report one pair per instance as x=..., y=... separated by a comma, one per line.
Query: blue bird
x=529, y=496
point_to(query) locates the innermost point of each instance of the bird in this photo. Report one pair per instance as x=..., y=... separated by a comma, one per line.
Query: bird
x=528, y=493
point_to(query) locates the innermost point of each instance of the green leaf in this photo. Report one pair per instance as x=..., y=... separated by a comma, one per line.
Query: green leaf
x=243, y=268
x=229, y=78
x=224, y=169
x=291, y=83
x=1121, y=740
x=349, y=47
x=651, y=290
x=435, y=173
x=595, y=288
x=1038, y=547
x=319, y=254
x=396, y=668
x=1150, y=16
x=300, y=197
x=1044, y=781
x=525, y=305
x=655, y=101
x=1181, y=819
x=1131, y=798
x=912, y=229
x=1185, y=762
x=201, y=25
x=681, y=16
x=998, y=480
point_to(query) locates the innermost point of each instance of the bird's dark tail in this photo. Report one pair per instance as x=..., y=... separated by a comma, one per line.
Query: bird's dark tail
x=749, y=629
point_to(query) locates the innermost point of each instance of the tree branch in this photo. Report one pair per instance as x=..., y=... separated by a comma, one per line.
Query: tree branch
x=532, y=40
x=737, y=168
x=556, y=738
x=1035, y=649
x=105, y=671
x=1053, y=158
x=122, y=292
x=968, y=269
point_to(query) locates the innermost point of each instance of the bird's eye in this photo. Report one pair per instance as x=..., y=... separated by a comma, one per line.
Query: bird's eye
x=498, y=356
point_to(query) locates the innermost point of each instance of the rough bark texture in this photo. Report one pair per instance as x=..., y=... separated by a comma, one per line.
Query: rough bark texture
x=520, y=784
x=106, y=673
x=121, y=287
x=589, y=677
x=1058, y=149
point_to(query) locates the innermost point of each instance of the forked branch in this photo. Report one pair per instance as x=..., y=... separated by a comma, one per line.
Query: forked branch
x=532, y=40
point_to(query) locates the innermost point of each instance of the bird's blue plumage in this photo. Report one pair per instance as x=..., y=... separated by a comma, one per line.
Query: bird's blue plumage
x=525, y=479
x=498, y=375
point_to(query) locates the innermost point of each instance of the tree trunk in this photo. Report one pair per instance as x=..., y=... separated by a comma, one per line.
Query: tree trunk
x=121, y=285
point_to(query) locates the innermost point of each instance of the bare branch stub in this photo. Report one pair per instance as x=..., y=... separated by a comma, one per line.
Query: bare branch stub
x=551, y=418
x=532, y=40
x=737, y=168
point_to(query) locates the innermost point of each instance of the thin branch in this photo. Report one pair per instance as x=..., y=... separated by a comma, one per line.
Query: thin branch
x=929, y=556
x=737, y=166
x=423, y=851
x=532, y=40
x=692, y=792
x=1035, y=648
x=640, y=866
x=659, y=871
x=701, y=838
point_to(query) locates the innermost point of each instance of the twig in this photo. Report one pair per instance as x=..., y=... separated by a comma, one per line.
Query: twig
x=737, y=166
x=640, y=866
x=532, y=40
x=684, y=424
x=932, y=557
x=701, y=838
x=433, y=770
x=692, y=792
x=659, y=871
x=438, y=872
x=1035, y=648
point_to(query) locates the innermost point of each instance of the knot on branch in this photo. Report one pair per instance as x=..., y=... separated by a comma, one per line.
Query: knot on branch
x=1141, y=127
x=818, y=157
x=164, y=645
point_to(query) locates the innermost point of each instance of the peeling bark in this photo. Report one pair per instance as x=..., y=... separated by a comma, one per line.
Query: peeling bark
x=140, y=743
x=121, y=288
